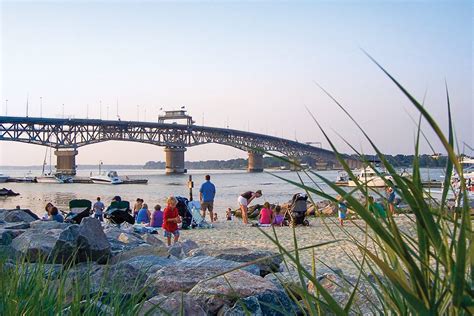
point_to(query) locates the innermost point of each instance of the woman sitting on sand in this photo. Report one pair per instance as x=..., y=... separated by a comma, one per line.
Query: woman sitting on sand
x=244, y=200
x=266, y=215
x=143, y=216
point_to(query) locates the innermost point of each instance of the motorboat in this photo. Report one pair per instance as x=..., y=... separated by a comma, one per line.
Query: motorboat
x=467, y=172
x=110, y=177
x=3, y=178
x=369, y=177
x=342, y=179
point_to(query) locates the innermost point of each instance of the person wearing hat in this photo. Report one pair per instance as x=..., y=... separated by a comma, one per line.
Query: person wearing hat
x=244, y=200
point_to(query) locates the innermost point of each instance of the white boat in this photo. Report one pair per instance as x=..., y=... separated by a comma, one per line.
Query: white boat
x=3, y=178
x=110, y=178
x=368, y=177
x=467, y=172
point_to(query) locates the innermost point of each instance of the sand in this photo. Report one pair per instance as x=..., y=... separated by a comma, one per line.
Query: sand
x=228, y=234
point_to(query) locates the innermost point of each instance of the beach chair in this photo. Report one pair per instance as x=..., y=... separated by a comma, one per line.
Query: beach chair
x=197, y=219
x=119, y=212
x=78, y=209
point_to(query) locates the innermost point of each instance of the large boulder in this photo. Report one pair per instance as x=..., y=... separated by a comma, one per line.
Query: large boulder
x=19, y=215
x=47, y=225
x=84, y=242
x=340, y=288
x=218, y=264
x=268, y=303
x=149, y=264
x=226, y=290
x=122, y=240
x=154, y=240
x=139, y=250
x=16, y=225
x=177, y=303
x=182, y=249
x=268, y=261
x=7, y=235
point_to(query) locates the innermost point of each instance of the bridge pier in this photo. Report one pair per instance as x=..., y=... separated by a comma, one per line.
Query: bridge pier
x=175, y=160
x=66, y=161
x=255, y=163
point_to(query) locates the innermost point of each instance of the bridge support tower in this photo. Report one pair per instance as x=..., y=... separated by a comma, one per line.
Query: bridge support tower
x=255, y=163
x=175, y=160
x=66, y=161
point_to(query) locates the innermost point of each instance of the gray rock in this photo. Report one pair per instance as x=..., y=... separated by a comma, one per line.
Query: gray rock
x=153, y=239
x=46, y=225
x=225, y=290
x=80, y=242
x=12, y=216
x=268, y=303
x=220, y=264
x=123, y=278
x=36, y=245
x=7, y=235
x=177, y=303
x=268, y=261
x=121, y=240
x=182, y=249
x=48, y=271
x=140, y=250
x=149, y=264
x=18, y=225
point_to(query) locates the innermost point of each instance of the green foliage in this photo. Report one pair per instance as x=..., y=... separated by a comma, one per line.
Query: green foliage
x=424, y=271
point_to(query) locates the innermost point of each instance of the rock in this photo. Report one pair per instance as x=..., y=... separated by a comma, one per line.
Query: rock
x=188, y=245
x=289, y=279
x=153, y=239
x=270, y=261
x=149, y=264
x=177, y=303
x=219, y=264
x=7, y=235
x=271, y=303
x=83, y=242
x=92, y=241
x=90, y=307
x=225, y=290
x=178, y=278
x=340, y=288
x=17, y=225
x=12, y=216
x=36, y=245
x=129, y=241
x=46, y=225
x=140, y=250
x=49, y=271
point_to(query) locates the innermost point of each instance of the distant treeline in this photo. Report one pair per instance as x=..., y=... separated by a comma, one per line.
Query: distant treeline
x=273, y=162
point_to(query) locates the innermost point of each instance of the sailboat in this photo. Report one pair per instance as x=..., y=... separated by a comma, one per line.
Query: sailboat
x=50, y=177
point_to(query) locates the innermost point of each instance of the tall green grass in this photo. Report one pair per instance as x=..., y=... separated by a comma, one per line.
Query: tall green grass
x=429, y=272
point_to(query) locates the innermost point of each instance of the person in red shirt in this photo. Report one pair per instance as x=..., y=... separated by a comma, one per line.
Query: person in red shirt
x=171, y=220
x=266, y=216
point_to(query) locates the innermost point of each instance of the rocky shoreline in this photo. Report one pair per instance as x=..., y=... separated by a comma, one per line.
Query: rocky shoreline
x=200, y=279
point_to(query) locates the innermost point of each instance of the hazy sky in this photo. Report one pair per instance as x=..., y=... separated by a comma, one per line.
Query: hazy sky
x=251, y=65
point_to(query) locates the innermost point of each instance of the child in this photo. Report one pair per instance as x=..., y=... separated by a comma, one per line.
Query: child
x=157, y=217
x=228, y=214
x=376, y=208
x=279, y=218
x=143, y=216
x=341, y=210
x=215, y=217
x=171, y=220
x=266, y=215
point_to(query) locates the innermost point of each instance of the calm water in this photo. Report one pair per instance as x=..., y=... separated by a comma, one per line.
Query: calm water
x=229, y=184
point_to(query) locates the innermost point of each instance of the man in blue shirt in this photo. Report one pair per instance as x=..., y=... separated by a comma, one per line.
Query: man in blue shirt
x=207, y=192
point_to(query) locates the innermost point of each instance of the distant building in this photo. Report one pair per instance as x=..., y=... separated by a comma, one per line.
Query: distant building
x=175, y=116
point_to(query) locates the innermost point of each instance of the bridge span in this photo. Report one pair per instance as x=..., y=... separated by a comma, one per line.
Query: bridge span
x=67, y=135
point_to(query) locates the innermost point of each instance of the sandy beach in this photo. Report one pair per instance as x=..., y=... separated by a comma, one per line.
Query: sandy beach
x=229, y=234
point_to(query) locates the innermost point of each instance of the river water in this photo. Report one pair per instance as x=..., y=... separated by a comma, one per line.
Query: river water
x=229, y=184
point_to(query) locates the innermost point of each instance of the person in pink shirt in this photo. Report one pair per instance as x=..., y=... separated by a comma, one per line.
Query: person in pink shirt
x=266, y=215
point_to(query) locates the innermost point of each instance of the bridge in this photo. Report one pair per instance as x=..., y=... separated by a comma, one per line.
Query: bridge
x=67, y=135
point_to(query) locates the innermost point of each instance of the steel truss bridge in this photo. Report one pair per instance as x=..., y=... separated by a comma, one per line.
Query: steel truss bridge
x=75, y=133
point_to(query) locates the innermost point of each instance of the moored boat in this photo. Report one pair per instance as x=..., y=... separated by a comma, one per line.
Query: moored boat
x=110, y=178
x=369, y=177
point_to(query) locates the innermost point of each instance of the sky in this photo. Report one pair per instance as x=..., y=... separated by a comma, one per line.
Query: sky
x=248, y=65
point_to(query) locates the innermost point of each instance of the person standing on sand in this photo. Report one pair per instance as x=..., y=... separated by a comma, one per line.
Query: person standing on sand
x=390, y=193
x=341, y=209
x=99, y=210
x=207, y=193
x=244, y=200
x=171, y=220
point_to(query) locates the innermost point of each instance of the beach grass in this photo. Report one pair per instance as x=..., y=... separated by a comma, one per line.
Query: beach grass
x=428, y=271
